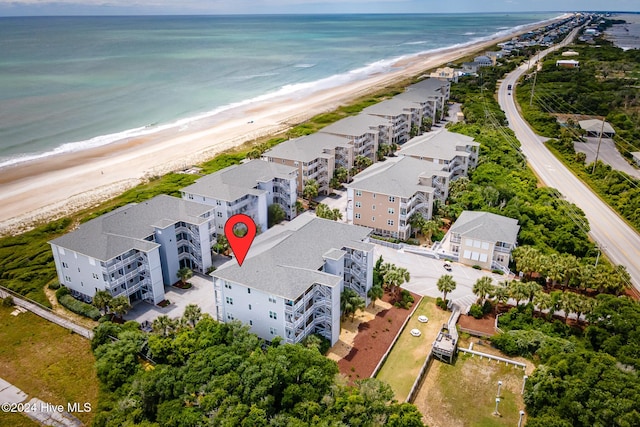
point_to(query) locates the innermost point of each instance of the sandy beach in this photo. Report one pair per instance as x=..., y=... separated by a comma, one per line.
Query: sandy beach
x=57, y=186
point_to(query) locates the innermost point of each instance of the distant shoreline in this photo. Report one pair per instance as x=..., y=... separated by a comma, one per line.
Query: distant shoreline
x=56, y=186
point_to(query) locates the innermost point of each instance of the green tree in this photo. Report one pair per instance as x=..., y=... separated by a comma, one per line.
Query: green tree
x=429, y=228
x=102, y=300
x=417, y=222
x=120, y=306
x=446, y=284
x=341, y=174
x=184, y=274
x=362, y=163
x=394, y=277
x=324, y=211
x=164, y=325
x=275, y=214
x=350, y=303
x=192, y=314
x=483, y=288
x=376, y=292
x=427, y=123
x=527, y=260
x=222, y=244
x=310, y=190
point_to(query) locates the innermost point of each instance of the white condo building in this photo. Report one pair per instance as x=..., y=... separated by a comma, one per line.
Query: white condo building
x=249, y=188
x=290, y=283
x=135, y=250
x=365, y=133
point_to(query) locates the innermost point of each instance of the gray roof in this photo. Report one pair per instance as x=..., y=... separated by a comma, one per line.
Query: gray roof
x=307, y=148
x=429, y=86
x=123, y=229
x=486, y=226
x=391, y=107
x=397, y=177
x=438, y=145
x=355, y=125
x=237, y=181
x=594, y=125
x=285, y=260
x=636, y=154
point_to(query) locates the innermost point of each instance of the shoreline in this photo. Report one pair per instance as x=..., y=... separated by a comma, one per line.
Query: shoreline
x=57, y=186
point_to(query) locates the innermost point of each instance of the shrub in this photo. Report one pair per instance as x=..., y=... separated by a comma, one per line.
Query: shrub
x=406, y=299
x=477, y=267
x=476, y=311
x=441, y=303
x=487, y=307
x=7, y=301
x=497, y=271
x=54, y=286
x=79, y=307
x=62, y=291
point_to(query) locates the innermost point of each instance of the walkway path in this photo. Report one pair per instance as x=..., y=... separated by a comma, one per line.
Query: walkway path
x=12, y=399
x=46, y=314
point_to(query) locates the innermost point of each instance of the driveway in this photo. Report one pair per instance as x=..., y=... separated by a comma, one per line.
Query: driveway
x=201, y=294
x=608, y=154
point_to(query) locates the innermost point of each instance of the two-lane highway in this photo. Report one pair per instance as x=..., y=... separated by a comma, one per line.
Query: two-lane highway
x=616, y=238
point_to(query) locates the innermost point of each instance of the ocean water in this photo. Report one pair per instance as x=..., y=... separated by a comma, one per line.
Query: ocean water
x=70, y=83
x=626, y=36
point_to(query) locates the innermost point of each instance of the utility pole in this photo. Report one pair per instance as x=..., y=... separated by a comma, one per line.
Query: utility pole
x=535, y=77
x=598, y=150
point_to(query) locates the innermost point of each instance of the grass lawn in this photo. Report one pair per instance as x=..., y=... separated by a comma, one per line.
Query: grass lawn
x=47, y=361
x=16, y=420
x=403, y=365
x=463, y=394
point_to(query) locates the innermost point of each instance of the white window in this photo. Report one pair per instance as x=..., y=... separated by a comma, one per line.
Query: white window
x=65, y=265
x=219, y=214
x=390, y=210
x=251, y=322
x=373, y=219
x=272, y=299
x=230, y=316
x=358, y=205
x=228, y=286
x=373, y=207
x=229, y=300
x=273, y=315
x=389, y=222
x=467, y=254
x=358, y=193
x=357, y=216
x=483, y=257
x=273, y=331
x=392, y=199
x=485, y=246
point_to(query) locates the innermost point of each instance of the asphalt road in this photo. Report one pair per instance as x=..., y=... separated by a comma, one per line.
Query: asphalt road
x=618, y=241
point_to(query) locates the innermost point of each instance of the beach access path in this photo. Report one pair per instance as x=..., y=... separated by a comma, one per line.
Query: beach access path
x=52, y=188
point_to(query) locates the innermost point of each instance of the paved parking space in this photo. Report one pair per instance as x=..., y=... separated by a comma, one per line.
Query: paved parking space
x=426, y=271
x=338, y=200
x=201, y=294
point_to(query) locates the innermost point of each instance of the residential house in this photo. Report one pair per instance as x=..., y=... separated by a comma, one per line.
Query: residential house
x=484, y=61
x=481, y=238
x=316, y=156
x=452, y=152
x=445, y=73
x=135, y=250
x=364, y=132
x=387, y=194
x=249, y=188
x=290, y=283
x=594, y=128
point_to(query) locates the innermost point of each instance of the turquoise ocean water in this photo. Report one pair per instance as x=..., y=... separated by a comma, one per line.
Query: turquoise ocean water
x=70, y=83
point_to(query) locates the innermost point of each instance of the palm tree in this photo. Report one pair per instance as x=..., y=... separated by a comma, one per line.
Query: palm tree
x=376, y=292
x=571, y=268
x=417, y=222
x=543, y=301
x=518, y=291
x=394, y=277
x=192, y=315
x=222, y=244
x=532, y=288
x=446, y=284
x=350, y=302
x=554, y=268
x=120, y=306
x=583, y=305
x=527, y=260
x=501, y=292
x=102, y=300
x=569, y=304
x=163, y=325
x=184, y=274
x=482, y=288
x=429, y=228
x=310, y=190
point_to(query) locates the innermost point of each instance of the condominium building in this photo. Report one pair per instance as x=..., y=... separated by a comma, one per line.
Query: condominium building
x=481, y=238
x=435, y=92
x=135, y=250
x=400, y=115
x=387, y=194
x=364, y=132
x=290, y=283
x=453, y=152
x=316, y=156
x=249, y=188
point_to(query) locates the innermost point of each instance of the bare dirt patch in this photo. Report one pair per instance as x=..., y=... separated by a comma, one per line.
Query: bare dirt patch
x=486, y=325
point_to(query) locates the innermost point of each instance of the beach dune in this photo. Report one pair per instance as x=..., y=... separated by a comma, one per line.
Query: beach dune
x=57, y=186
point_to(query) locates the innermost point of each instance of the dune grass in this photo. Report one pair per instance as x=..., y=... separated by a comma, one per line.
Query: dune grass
x=45, y=361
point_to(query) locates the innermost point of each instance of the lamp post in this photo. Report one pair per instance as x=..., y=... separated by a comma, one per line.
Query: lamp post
x=520, y=420
x=524, y=382
x=496, y=413
x=499, y=387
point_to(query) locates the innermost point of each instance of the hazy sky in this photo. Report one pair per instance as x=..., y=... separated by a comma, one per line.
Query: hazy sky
x=102, y=7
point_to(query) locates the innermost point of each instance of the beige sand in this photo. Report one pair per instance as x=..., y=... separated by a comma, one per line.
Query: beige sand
x=57, y=186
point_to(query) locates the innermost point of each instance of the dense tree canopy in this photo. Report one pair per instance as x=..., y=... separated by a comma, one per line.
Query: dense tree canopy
x=210, y=373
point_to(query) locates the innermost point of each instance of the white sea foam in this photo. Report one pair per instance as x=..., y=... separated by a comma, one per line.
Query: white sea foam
x=291, y=90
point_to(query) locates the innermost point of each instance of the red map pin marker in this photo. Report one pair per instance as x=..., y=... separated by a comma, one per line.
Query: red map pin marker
x=240, y=243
